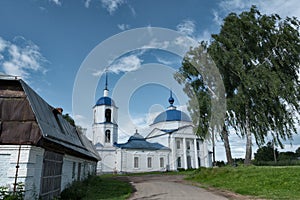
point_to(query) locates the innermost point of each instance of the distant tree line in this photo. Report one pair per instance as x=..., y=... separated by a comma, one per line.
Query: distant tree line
x=269, y=155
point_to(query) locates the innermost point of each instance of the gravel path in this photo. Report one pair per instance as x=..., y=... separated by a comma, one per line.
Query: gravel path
x=155, y=187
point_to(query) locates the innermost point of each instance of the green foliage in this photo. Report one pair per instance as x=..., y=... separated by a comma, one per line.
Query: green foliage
x=288, y=155
x=297, y=152
x=258, y=58
x=69, y=119
x=96, y=187
x=278, y=163
x=262, y=182
x=6, y=194
x=266, y=153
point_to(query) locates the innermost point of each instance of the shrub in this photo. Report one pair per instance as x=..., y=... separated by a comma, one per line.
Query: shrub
x=6, y=194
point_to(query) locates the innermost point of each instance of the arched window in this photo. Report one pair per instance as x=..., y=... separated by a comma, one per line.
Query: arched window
x=107, y=136
x=107, y=115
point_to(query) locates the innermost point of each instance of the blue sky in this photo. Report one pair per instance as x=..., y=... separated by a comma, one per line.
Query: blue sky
x=46, y=42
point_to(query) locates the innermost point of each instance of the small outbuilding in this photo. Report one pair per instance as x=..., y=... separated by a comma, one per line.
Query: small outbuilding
x=38, y=147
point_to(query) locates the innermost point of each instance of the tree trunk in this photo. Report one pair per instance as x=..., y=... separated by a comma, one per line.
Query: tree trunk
x=227, y=145
x=248, y=144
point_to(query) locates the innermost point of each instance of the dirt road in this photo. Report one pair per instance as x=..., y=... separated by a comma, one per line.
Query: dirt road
x=155, y=187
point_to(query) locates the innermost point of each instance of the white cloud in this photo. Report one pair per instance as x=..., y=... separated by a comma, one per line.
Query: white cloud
x=112, y=5
x=186, y=27
x=123, y=27
x=282, y=7
x=56, y=2
x=87, y=3
x=124, y=64
x=154, y=44
x=132, y=10
x=217, y=19
x=21, y=57
x=164, y=61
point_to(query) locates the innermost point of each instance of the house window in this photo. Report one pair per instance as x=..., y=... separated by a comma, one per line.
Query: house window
x=136, y=162
x=178, y=144
x=107, y=115
x=188, y=145
x=149, y=162
x=79, y=172
x=161, y=162
x=73, y=170
x=179, y=162
x=107, y=136
x=198, y=145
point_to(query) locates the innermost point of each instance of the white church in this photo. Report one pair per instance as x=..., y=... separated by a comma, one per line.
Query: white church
x=170, y=145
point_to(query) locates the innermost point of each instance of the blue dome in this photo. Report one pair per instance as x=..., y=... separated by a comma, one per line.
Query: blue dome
x=172, y=115
x=105, y=101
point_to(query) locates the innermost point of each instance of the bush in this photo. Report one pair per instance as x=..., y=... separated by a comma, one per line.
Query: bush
x=278, y=163
x=6, y=194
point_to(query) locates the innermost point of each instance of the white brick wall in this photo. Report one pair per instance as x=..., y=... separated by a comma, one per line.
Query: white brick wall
x=70, y=170
x=31, y=161
x=31, y=165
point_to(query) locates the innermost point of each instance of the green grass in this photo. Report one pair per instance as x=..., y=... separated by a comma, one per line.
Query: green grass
x=96, y=188
x=263, y=182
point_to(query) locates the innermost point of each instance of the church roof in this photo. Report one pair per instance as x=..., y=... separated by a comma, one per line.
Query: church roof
x=139, y=142
x=171, y=114
x=105, y=101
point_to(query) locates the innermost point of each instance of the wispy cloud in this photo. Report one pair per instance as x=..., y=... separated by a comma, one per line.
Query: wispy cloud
x=21, y=57
x=164, y=61
x=155, y=44
x=87, y=3
x=124, y=64
x=217, y=19
x=56, y=2
x=123, y=27
x=186, y=27
x=282, y=7
x=112, y=5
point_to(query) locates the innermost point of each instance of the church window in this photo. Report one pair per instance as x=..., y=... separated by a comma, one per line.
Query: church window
x=149, y=162
x=107, y=136
x=188, y=145
x=107, y=115
x=161, y=162
x=94, y=116
x=179, y=162
x=178, y=144
x=136, y=162
x=198, y=146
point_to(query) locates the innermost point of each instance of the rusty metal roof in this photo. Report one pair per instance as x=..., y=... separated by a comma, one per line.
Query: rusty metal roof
x=26, y=118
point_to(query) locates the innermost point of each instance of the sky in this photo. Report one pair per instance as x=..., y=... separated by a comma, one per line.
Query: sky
x=62, y=47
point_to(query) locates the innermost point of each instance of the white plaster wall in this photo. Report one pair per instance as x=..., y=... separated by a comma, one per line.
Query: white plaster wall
x=30, y=167
x=68, y=175
x=108, y=163
x=128, y=160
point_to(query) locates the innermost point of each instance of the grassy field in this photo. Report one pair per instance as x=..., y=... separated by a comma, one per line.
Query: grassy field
x=96, y=188
x=263, y=182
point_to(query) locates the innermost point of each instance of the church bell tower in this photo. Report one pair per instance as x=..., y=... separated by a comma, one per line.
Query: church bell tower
x=105, y=124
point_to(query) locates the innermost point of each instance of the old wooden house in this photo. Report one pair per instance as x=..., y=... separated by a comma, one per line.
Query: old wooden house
x=38, y=147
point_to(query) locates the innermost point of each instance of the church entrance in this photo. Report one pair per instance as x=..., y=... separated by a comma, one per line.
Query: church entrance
x=189, y=162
